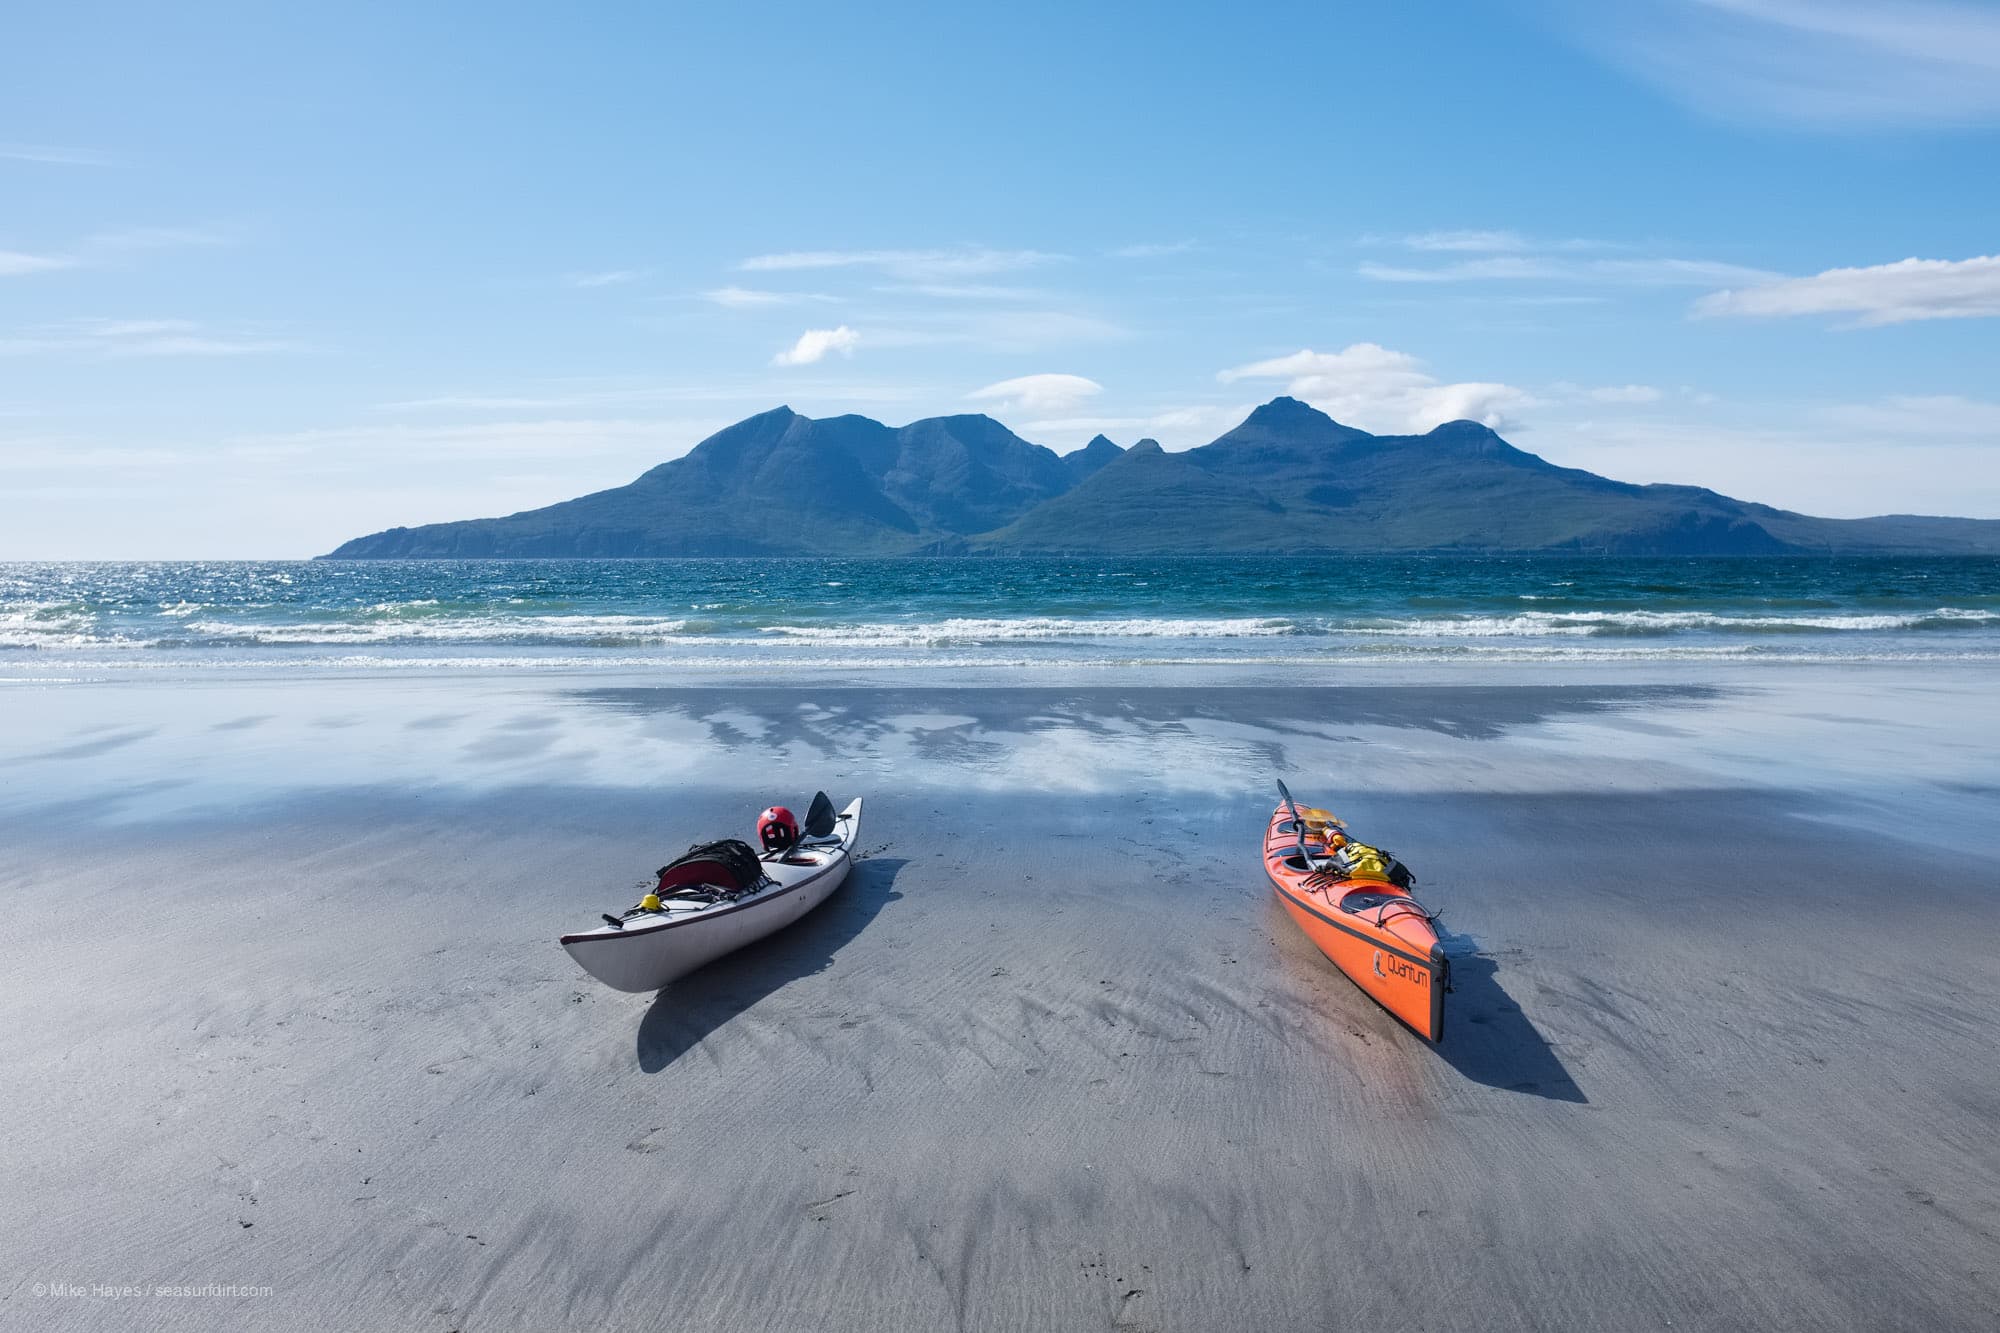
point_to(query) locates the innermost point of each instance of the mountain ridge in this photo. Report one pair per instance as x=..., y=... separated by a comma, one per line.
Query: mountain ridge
x=1288, y=478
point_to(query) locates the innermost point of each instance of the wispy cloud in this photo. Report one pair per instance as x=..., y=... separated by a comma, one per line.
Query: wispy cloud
x=913, y=265
x=1039, y=393
x=163, y=238
x=1919, y=417
x=1632, y=395
x=1486, y=242
x=1866, y=63
x=750, y=298
x=595, y=395
x=1819, y=467
x=1370, y=386
x=1909, y=289
x=610, y=277
x=107, y=247
x=815, y=344
x=1025, y=330
x=14, y=263
x=1551, y=268
x=554, y=438
x=1012, y=331
x=1151, y=250
x=964, y=291
x=1623, y=395
x=139, y=338
x=54, y=156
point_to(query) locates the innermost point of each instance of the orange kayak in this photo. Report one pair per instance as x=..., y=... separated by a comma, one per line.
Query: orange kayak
x=1371, y=929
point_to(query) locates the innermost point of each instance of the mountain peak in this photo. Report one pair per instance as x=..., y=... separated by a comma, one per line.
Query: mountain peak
x=1281, y=428
x=1463, y=430
x=1286, y=413
x=1086, y=461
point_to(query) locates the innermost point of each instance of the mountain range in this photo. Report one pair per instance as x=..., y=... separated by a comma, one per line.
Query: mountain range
x=1289, y=478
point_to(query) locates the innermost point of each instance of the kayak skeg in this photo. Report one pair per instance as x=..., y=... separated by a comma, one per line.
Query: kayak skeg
x=694, y=917
x=1370, y=928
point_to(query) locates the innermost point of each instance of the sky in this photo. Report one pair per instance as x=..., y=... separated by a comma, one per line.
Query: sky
x=273, y=276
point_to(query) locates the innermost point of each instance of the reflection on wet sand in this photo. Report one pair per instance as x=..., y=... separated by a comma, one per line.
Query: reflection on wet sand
x=834, y=717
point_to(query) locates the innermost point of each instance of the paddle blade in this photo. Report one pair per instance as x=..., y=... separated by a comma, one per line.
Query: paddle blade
x=819, y=816
x=1290, y=804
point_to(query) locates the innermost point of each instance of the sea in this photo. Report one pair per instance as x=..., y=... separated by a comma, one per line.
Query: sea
x=59, y=621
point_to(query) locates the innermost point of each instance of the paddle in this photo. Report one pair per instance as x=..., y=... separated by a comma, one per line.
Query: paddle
x=1298, y=824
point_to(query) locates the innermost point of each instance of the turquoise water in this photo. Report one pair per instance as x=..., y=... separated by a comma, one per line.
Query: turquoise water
x=999, y=612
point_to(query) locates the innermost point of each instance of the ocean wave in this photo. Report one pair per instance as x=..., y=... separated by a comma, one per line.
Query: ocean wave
x=601, y=630
x=195, y=625
x=1531, y=624
x=579, y=658
x=946, y=633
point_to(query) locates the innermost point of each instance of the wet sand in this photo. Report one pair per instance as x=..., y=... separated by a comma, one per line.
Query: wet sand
x=282, y=1009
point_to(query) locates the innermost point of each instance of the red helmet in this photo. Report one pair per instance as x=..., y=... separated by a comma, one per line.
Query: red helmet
x=777, y=829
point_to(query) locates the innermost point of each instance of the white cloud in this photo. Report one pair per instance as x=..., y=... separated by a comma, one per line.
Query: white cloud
x=1884, y=294
x=1664, y=272
x=1039, y=393
x=13, y=263
x=814, y=344
x=750, y=298
x=1865, y=63
x=1377, y=389
x=914, y=265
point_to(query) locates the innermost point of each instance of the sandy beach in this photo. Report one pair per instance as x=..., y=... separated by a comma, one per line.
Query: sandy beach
x=286, y=1025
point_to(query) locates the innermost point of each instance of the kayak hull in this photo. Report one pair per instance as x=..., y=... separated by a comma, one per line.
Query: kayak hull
x=650, y=951
x=1388, y=948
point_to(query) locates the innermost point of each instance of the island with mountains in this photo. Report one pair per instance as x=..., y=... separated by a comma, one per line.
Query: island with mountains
x=1288, y=479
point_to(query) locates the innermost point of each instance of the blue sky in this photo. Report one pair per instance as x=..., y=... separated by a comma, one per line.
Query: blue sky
x=273, y=276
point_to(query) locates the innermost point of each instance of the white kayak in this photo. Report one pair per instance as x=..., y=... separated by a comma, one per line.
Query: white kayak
x=648, y=949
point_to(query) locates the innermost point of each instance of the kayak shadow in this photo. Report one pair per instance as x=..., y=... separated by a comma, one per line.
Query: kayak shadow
x=1489, y=1040
x=683, y=1015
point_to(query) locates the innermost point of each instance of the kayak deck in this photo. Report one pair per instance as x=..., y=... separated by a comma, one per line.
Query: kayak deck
x=1373, y=931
